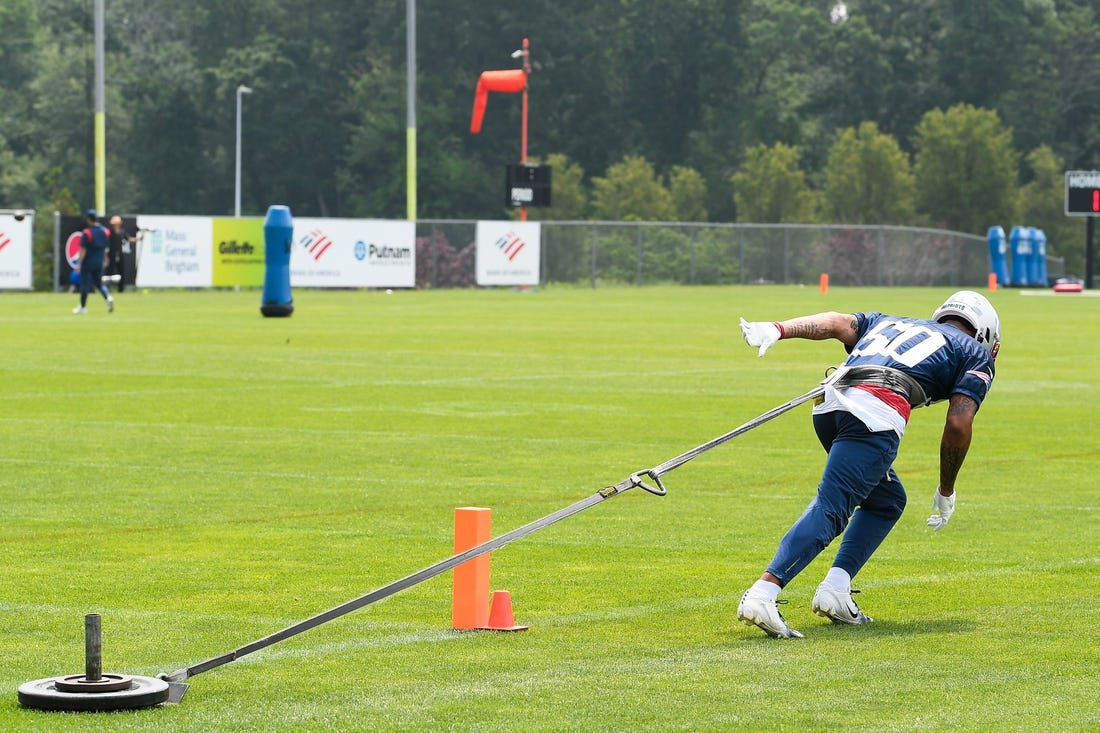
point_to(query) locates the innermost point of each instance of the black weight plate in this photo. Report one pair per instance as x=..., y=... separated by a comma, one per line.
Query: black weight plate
x=106, y=683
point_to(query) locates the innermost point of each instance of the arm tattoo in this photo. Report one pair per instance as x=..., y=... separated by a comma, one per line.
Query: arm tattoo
x=805, y=328
x=817, y=328
x=951, y=460
x=822, y=326
x=956, y=441
x=961, y=405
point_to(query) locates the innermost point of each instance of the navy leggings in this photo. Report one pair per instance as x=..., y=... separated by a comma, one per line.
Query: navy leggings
x=857, y=473
x=91, y=278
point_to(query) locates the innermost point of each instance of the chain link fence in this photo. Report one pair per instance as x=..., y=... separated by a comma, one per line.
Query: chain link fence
x=650, y=253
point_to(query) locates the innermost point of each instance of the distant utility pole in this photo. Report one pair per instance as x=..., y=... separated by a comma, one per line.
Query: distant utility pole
x=410, y=109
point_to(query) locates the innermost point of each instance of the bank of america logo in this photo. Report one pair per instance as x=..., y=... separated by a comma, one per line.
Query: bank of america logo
x=511, y=244
x=316, y=243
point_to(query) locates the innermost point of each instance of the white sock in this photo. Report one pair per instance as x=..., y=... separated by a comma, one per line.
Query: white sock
x=766, y=589
x=839, y=578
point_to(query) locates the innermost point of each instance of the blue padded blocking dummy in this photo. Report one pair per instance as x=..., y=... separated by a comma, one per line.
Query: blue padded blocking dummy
x=278, y=238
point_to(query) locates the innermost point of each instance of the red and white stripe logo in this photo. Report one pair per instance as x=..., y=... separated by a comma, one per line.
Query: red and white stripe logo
x=316, y=243
x=510, y=244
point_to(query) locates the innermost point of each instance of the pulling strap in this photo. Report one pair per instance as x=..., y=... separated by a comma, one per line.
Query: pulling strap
x=882, y=376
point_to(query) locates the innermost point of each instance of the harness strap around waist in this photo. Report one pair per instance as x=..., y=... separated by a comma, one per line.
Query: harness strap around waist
x=882, y=376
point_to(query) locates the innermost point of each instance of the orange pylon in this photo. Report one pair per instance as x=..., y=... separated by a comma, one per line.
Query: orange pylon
x=470, y=597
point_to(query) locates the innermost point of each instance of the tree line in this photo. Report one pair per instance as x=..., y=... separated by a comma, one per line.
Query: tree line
x=961, y=114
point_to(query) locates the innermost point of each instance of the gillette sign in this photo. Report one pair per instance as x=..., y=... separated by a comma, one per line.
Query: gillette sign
x=508, y=252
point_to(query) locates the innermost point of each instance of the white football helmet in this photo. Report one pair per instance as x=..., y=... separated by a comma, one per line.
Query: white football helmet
x=978, y=312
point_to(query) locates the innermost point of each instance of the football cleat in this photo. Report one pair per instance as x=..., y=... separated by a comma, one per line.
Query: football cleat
x=756, y=610
x=80, y=309
x=838, y=606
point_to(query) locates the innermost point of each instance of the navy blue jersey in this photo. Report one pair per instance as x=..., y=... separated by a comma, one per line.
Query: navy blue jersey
x=95, y=239
x=942, y=358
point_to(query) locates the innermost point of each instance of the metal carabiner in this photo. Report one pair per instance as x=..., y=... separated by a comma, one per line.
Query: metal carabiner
x=658, y=490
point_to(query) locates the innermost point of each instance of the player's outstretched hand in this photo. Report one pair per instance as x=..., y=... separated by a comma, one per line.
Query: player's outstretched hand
x=944, y=507
x=760, y=333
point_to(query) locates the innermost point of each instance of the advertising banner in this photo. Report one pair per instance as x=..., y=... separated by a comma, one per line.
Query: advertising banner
x=238, y=252
x=353, y=253
x=68, y=250
x=173, y=252
x=508, y=252
x=16, y=248
x=70, y=229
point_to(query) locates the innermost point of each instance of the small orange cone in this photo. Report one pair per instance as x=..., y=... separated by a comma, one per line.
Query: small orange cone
x=500, y=614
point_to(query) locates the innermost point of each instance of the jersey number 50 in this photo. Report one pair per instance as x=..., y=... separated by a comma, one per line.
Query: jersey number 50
x=907, y=343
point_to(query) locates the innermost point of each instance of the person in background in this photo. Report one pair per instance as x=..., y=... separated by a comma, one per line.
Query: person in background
x=895, y=363
x=94, y=241
x=118, y=242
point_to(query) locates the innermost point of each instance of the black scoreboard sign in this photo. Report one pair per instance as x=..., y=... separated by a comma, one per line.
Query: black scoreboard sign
x=1082, y=193
x=527, y=185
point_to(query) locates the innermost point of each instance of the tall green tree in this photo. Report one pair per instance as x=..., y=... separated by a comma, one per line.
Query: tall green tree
x=771, y=188
x=983, y=44
x=851, y=75
x=62, y=94
x=1042, y=205
x=162, y=152
x=1065, y=77
x=632, y=191
x=689, y=193
x=868, y=179
x=371, y=168
x=568, y=197
x=966, y=169
x=777, y=66
x=1029, y=89
x=21, y=169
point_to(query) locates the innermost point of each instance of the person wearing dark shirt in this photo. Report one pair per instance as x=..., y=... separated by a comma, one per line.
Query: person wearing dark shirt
x=895, y=364
x=118, y=242
x=94, y=241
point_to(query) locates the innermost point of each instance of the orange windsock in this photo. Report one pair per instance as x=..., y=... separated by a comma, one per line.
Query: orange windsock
x=505, y=80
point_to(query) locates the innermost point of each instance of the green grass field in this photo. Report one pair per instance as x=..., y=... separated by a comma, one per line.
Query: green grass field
x=203, y=477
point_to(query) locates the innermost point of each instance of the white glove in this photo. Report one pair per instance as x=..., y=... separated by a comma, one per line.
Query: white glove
x=944, y=506
x=760, y=333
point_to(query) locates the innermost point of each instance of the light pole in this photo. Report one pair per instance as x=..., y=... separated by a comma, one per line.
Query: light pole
x=100, y=115
x=241, y=89
x=410, y=109
x=525, y=54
